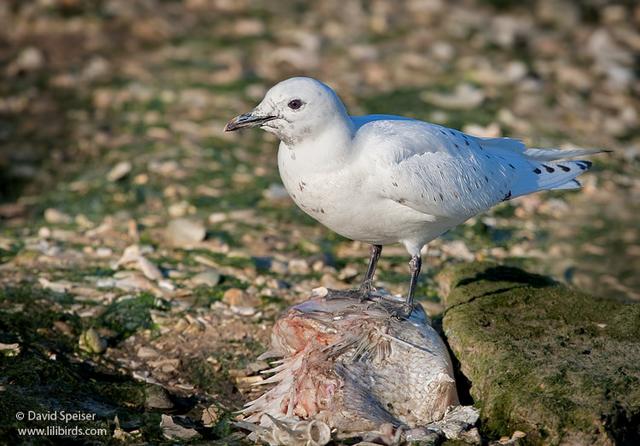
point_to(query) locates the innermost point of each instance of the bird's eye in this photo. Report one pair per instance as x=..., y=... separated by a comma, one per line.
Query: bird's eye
x=295, y=104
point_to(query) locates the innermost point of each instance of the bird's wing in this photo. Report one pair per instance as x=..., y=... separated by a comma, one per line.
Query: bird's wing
x=444, y=172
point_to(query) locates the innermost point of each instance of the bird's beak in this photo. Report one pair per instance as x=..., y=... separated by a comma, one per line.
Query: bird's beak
x=251, y=119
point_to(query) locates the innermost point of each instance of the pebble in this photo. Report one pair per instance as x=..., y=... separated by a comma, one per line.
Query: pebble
x=59, y=287
x=464, y=97
x=298, y=266
x=56, y=217
x=133, y=282
x=91, y=341
x=97, y=68
x=183, y=232
x=166, y=285
x=279, y=267
x=9, y=349
x=241, y=302
x=150, y=270
x=210, y=277
x=458, y=250
x=107, y=282
x=180, y=209
x=29, y=59
x=210, y=416
x=104, y=252
x=348, y=272
x=275, y=192
x=146, y=352
x=174, y=431
x=157, y=397
x=119, y=171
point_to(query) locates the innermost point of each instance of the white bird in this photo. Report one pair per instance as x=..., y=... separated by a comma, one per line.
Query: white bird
x=383, y=179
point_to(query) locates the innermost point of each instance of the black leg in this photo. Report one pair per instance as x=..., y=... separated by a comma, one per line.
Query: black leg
x=415, y=264
x=367, y=283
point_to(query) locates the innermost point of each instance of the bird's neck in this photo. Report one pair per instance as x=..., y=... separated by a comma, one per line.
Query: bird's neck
x=328, y=149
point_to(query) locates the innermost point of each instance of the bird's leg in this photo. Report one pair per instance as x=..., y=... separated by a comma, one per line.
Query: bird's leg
x=415, y=264
x=367, y=284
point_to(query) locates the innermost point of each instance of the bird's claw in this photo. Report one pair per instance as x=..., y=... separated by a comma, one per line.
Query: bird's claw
x=364, y=291
x=402, y=312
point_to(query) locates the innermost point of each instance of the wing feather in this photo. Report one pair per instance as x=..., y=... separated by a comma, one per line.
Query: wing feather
x=443, y=172
x=434, y=170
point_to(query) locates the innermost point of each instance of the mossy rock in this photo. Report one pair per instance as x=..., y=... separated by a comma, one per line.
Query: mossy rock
x=558, y=364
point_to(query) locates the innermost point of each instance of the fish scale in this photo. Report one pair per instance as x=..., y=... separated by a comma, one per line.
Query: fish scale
x=355, y=368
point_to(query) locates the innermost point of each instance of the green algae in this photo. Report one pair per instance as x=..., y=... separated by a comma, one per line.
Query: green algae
x=44, y=377
x=555, y=363
x=127, y=316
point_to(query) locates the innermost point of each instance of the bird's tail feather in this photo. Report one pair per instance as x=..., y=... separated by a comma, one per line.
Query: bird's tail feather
x=551, y=175
x=560, y=174
x=559, y=154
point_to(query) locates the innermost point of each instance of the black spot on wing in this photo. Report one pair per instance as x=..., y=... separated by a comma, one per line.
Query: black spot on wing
x=565, y=168
x=507, y=196
x=548, y=168
x=537, y=171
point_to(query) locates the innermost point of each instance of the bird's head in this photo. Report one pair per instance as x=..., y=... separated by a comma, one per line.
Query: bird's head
x=294, y=110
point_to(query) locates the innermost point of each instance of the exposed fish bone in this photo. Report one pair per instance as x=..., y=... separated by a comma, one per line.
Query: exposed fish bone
x=347, y=367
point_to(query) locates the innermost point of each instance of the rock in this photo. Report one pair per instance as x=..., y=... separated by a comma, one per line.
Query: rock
x=133, y=255
x=146, y=353
x=61, y=286
x=275, y=192
x=183, y=232
x=210, y=277
x=54, y=216
x=554, y=363
x=180, y=209
x=119, y=171
x=240, y=301
x=9, y=349
x=174, y=431
x=464, y=97
x=299, y=266
x=348, y=273
x=279, y=266
x=458, y=249
x=91, y=341
x=149, y=270
x=156, y=397
x=29, y=59
x=490, y=131
x=97, y=68
x=210, y=416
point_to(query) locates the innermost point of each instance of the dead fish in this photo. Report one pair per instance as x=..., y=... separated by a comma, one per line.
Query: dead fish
x=348, y=368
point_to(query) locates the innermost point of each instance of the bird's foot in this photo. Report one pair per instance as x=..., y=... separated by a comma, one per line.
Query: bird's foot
x=402, y=311
x=365, y=290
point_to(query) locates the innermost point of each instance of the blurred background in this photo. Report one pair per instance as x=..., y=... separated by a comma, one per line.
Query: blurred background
x=111, y=117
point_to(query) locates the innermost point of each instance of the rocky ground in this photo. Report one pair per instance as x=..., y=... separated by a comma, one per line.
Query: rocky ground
x=144, y=253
